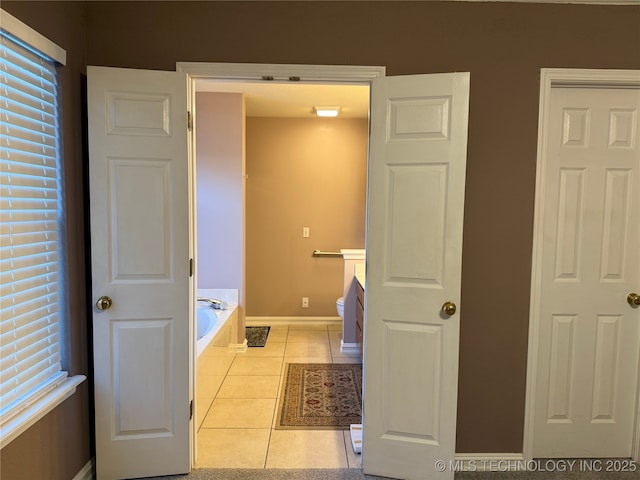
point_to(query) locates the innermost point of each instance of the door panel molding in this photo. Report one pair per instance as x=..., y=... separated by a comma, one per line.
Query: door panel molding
x=549, y=78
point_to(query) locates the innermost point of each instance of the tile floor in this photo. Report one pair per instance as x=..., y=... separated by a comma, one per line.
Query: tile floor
x=237, y=398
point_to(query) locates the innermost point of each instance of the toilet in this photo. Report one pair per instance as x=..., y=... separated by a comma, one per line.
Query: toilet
x=340, y=307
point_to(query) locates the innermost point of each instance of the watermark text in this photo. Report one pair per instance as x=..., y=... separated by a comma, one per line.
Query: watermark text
x=549, y=465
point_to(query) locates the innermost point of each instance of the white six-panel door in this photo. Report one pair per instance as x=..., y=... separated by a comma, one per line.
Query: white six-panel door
x=140, y=259
x=589, y=335
x=414, y=250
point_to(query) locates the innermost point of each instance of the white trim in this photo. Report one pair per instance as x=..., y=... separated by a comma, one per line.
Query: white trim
x=347, y=74
x=24, y=32
x=586, y=77
x=86, y=472
x=349, y=349
x=489, y=462
x=193, y=249
x=550, y=77
x=30, y=415
x=353, y=253
x=239, y=347
x=257, y=321
x=281, y=72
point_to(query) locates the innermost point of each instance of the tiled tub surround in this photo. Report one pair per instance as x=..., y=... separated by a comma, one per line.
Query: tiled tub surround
x=238, y=396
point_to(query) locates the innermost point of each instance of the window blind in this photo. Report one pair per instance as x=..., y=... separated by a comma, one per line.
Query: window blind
x=30, y=218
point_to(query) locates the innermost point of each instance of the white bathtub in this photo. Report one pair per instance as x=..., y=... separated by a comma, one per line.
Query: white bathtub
x=217, y=330
x=207, y=317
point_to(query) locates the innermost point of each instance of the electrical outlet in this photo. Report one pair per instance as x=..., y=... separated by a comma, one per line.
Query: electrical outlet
x=305, y=232
x=305, y=302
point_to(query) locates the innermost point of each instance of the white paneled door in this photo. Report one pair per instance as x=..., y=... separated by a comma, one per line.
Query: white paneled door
x=140, y=231
x=589, y=333
x=414, y=252
x=140, y=268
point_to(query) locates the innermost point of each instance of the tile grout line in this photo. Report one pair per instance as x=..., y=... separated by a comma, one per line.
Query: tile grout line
x=283, y=362
x=201, y=426
x=330, y=346
x=275, y=407
x=344, y=444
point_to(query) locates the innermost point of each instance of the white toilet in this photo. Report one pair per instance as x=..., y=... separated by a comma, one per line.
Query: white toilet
x=340, y=307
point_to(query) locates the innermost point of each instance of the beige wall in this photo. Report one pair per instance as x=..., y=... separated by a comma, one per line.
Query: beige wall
x=220, y=187
x=302, y=173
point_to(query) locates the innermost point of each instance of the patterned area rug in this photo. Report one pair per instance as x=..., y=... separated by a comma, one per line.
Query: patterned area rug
x=257, y=336
x=320, y=396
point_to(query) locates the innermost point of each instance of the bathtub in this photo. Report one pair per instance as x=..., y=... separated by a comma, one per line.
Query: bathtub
x=207, y=318
x=214, y=326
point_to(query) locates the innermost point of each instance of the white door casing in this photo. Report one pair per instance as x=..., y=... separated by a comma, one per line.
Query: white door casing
x=140, y=259
x=584, y=336
x=254, y=72
x=414, y=250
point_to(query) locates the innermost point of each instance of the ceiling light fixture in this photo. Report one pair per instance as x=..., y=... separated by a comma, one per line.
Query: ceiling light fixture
x=327, y=111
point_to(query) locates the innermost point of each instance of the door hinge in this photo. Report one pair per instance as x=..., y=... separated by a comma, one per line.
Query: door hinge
x=189, y=121
x=191, y=267
x=191, y=410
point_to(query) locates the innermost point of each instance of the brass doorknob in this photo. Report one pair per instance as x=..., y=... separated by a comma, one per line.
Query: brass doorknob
x=449, y=308
x=633, y=299
x=104, y=303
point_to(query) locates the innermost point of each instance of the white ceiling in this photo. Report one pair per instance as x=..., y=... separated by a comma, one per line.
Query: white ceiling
x=277, y=99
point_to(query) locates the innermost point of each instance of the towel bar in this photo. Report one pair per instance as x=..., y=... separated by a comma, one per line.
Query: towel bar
x=320, y=253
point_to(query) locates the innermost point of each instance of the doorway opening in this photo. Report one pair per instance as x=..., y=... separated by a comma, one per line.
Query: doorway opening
x=270, y=106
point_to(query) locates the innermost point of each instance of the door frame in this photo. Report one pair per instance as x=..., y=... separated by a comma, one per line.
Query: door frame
x=245, y=72
x=549, y=78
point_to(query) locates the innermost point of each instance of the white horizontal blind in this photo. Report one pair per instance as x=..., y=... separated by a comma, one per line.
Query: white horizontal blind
x=30, y=215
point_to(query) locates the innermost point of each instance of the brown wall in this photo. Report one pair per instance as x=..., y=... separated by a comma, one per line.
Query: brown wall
x=503, y=45
x=302, y=173
x=59, y=445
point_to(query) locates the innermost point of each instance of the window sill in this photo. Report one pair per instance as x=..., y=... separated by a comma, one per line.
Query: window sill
x=28, y=417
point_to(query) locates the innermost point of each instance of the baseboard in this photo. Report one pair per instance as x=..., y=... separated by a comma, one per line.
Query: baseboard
x=349, y=349
x=273, y=321
x=239, y=347
x=87, y=472
x=489, y=462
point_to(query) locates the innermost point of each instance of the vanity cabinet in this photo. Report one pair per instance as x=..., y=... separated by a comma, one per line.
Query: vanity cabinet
x=359, y=316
